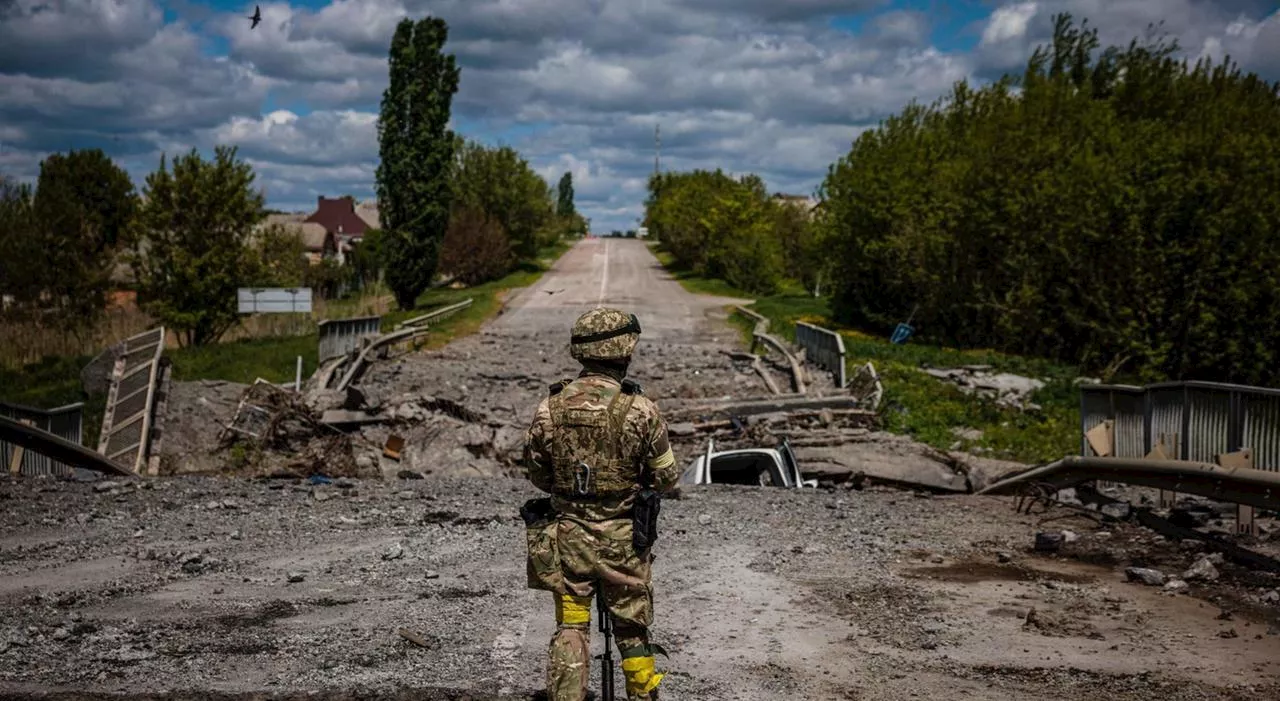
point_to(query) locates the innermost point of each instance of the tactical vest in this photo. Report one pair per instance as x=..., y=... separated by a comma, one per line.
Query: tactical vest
x=589, y=458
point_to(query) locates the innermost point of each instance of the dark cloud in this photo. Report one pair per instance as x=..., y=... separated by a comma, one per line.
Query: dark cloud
x=746, y=85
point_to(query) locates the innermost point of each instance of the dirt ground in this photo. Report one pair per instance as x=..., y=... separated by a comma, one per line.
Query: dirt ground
x=208, y=587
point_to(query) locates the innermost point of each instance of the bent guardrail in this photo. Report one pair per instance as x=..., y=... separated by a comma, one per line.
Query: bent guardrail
x=426, y=320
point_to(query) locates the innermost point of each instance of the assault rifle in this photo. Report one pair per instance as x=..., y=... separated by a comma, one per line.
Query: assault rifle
x=606, y=657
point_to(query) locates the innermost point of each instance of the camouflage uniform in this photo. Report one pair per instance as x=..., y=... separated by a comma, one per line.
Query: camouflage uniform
x=605, y=422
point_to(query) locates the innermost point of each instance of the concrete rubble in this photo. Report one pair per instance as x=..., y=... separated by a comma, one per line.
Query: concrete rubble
x=1005, y=389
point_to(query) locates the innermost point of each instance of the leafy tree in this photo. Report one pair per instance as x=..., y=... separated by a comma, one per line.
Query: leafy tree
x=193, y=243
x=367, y=258
x=18, y=246
x=564, y=202
x=325, y=278
x=81, y=209
x=476, y=249
x=278, y=259
x=1113, y=208
x=500, y=183
x=416, y=150
x=718, y=227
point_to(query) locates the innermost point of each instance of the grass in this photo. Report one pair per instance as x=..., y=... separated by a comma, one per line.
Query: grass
x=55, y=381
x=695, y=283
x=919, y=405
x=272, y=359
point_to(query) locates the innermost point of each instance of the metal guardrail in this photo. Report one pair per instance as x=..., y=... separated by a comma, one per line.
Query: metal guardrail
x=357, y=366
x=426, y=320
x=1195, y=420
x=65, y=422
x=126, y=424
x=343, y=336
x=824, y=347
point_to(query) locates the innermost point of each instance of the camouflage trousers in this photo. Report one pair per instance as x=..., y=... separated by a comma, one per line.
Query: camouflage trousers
x=594, y=552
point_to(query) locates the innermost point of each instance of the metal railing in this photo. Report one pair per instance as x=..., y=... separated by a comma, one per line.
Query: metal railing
x=1195, y=420
x=126, y=424
x=343, y=336
x=426, y=320
x=824, y=347
x=66, y=422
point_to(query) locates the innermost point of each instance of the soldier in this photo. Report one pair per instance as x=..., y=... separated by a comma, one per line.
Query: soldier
x=599, y=447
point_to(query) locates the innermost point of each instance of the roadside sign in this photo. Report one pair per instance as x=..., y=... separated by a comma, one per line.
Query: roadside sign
x=273, y=300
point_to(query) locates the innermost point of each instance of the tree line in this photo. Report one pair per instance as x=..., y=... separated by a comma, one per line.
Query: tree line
x=1112, y=208
x=729, y=228
x=191, y=235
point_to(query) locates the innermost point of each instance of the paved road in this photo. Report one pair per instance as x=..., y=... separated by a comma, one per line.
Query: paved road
x=619, y=273
x=761, y=594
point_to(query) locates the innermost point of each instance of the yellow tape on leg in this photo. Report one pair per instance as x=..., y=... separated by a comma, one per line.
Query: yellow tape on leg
x=573, y=610
x=640, y=676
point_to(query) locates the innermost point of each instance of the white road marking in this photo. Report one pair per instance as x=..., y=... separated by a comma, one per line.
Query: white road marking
x=604, y=279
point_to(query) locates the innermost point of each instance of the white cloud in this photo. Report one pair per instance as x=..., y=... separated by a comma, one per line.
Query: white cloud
x=1009, y=23
x=745, y=85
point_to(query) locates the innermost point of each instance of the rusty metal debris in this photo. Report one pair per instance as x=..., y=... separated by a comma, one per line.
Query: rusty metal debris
x=274, y=430
x=394, y=447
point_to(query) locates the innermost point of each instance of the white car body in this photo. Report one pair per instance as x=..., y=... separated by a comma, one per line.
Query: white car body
x=755, y=466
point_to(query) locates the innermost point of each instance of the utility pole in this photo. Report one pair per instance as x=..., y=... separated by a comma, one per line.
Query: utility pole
x=657, y=148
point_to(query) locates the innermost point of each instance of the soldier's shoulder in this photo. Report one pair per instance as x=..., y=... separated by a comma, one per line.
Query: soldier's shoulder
x=645, y=407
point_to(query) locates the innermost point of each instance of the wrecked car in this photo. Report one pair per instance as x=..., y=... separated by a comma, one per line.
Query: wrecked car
x=774, y=467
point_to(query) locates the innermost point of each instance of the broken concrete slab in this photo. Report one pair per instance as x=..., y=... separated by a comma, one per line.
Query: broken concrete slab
x=885, y=458
x=1006, y=389
x=346, y=417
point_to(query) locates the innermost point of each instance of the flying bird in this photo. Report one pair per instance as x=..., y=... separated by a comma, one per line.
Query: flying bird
x=551, y=292
x=257, y=16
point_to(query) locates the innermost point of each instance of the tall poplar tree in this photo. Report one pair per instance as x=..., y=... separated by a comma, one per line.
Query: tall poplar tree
x=415, y=147
x=564, y=204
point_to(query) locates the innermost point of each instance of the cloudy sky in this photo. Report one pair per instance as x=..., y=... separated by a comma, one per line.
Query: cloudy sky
x=776, y=87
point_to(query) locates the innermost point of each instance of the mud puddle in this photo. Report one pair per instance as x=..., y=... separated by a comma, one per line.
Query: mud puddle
x=975, y=572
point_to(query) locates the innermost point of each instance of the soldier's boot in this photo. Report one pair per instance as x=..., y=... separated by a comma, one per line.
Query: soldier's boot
x=569, y=655
x=637, y=663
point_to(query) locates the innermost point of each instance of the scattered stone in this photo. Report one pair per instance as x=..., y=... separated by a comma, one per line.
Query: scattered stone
x=681, y=429
x=1048, y=542
x=1149, y=577
x=295, y=577
x=1117, y=510
x=704, y=519
x=409, y=475
x=106, y=486
x=236, y=535
x=1272, y=596
x=407, y=494
x=432, y=574
x=1004, y=557
x=1070, y=536
x=1176, y=585
x=321, y=496
x=1228, y=633
x=61, y=634
x=1203, y=571
x=395, y=552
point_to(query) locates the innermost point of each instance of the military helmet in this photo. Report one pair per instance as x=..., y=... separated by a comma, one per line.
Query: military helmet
x=604, y=334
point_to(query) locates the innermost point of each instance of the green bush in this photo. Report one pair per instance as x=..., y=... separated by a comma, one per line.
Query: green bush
x=1114, y=209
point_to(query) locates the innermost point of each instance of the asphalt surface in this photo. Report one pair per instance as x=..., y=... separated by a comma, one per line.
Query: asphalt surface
x=216, y=587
